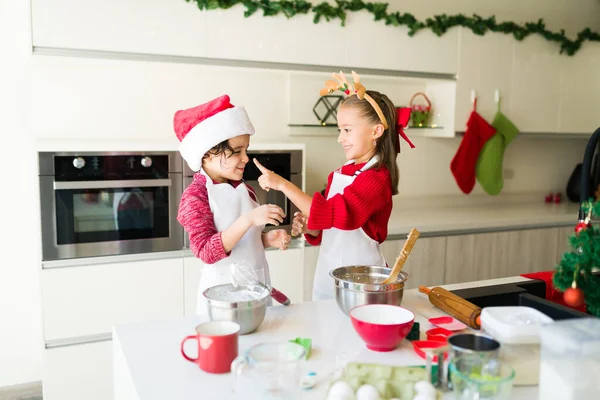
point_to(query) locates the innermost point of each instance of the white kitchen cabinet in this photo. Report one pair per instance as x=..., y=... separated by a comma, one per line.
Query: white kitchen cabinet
x=89, y=300
x=181, y=29
x=484, y=66
x=580, y=95
x=535, y=92
x=192, y=271
x=425, y=266
x=311, y=256
x=377, y=45
x=159, y=27
x=78, y=372
x=287, y=272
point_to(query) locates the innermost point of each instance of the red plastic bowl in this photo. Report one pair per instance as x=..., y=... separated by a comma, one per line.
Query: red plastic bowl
x=382, y=326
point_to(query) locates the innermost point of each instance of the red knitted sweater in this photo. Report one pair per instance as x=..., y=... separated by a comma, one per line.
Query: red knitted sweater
x=366, y=203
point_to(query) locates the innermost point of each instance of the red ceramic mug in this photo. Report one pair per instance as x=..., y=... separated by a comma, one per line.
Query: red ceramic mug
x=217, y=346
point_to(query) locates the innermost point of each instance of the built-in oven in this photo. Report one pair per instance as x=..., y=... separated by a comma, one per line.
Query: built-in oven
x=286, y=163
x=98, y=204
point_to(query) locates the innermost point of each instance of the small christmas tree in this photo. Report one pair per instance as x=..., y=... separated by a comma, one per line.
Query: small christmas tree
x=573, y=274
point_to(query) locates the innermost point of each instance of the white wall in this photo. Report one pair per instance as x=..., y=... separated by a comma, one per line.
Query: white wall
x=75, y=98
x=20, y=329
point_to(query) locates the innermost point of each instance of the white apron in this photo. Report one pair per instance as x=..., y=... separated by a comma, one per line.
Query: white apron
x=227, y=204
x=343, y=248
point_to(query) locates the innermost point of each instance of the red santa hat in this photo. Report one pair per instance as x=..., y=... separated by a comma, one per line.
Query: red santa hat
x=201, y=128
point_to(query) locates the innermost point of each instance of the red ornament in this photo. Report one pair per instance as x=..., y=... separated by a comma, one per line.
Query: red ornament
x=347, y=91
x=582, y=226
x=574, y=296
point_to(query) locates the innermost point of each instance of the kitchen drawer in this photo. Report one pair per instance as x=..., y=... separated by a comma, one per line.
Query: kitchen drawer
x=78, y=372
x=89, y=300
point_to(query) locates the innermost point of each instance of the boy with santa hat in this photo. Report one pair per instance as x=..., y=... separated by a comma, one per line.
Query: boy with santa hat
x=218, y=210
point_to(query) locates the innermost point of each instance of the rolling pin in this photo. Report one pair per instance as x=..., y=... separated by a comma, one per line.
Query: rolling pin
x=461, y=309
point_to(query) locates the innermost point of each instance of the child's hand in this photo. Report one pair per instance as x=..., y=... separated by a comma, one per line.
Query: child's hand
x=268, y=179
x=299, y=224
x=277, y=238
x=267, y=214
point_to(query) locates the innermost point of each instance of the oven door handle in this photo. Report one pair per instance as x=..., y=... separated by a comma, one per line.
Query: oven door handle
x=112, y=184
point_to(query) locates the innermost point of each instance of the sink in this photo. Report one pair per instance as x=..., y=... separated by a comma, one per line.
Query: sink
x=529, y=293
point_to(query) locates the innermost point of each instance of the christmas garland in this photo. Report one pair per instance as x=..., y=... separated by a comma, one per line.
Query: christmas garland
x=438, y=24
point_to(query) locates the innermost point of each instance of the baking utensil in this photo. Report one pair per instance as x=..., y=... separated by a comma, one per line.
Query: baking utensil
x=439, y=334
x=461, y=309
x=359, y=285
x=483, y=346
x=475, y=378
x=447, y=323
x=382, y=326
x=271, y=370
x=403, y=256
x=243, y=274
x=420, y=347
x=245, y=305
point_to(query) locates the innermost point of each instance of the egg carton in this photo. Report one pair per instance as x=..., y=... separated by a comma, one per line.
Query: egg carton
x=360, y=381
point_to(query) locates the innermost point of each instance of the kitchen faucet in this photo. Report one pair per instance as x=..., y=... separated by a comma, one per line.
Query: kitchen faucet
x=586, y=171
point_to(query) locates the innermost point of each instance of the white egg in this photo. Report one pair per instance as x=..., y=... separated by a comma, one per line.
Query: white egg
x=424, y=387
x=367, y=392
x=340, y=390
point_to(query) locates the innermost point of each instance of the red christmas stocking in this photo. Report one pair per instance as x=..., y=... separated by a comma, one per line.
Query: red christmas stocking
x=463, y=164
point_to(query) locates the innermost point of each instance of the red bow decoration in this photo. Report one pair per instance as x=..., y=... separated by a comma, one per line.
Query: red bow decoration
x=403, y=116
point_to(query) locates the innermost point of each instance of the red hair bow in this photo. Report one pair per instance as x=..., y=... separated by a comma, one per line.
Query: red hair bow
x=403, y=116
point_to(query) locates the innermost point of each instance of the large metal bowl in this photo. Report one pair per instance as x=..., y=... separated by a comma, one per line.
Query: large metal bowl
x=225, y=302
x=360, y=285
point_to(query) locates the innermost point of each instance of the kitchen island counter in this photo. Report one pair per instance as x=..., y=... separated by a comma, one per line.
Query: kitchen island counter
x=148, y=364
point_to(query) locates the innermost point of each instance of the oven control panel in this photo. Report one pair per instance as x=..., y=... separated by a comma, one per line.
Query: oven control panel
x=110, y=167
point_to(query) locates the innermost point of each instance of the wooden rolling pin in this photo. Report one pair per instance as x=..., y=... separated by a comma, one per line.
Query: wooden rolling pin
x=461, y=309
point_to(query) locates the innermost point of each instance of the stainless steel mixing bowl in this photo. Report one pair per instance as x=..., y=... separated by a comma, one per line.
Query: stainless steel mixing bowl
x=224, y=303
x=359, y=285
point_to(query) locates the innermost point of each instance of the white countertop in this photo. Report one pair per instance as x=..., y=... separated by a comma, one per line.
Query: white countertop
x=148, y=364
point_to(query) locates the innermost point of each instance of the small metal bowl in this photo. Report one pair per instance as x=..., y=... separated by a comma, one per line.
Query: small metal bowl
x=249, y=313
x=361, y=284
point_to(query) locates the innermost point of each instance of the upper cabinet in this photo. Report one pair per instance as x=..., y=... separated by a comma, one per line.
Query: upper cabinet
x=484, y=67
x=534, y=98
x=580, y=91
x=179, y=28
x=541, y=90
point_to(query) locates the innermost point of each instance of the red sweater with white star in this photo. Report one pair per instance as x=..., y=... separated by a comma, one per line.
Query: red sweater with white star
x=198, y=221
x=366, y=204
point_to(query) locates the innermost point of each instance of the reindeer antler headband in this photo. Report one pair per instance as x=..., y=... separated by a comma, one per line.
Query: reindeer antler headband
x=359, y=90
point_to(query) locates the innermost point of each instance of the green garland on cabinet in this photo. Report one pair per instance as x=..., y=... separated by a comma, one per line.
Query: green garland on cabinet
x=439, y=24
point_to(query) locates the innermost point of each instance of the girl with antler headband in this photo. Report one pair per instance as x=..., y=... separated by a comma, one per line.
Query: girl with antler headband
x=351, y=220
